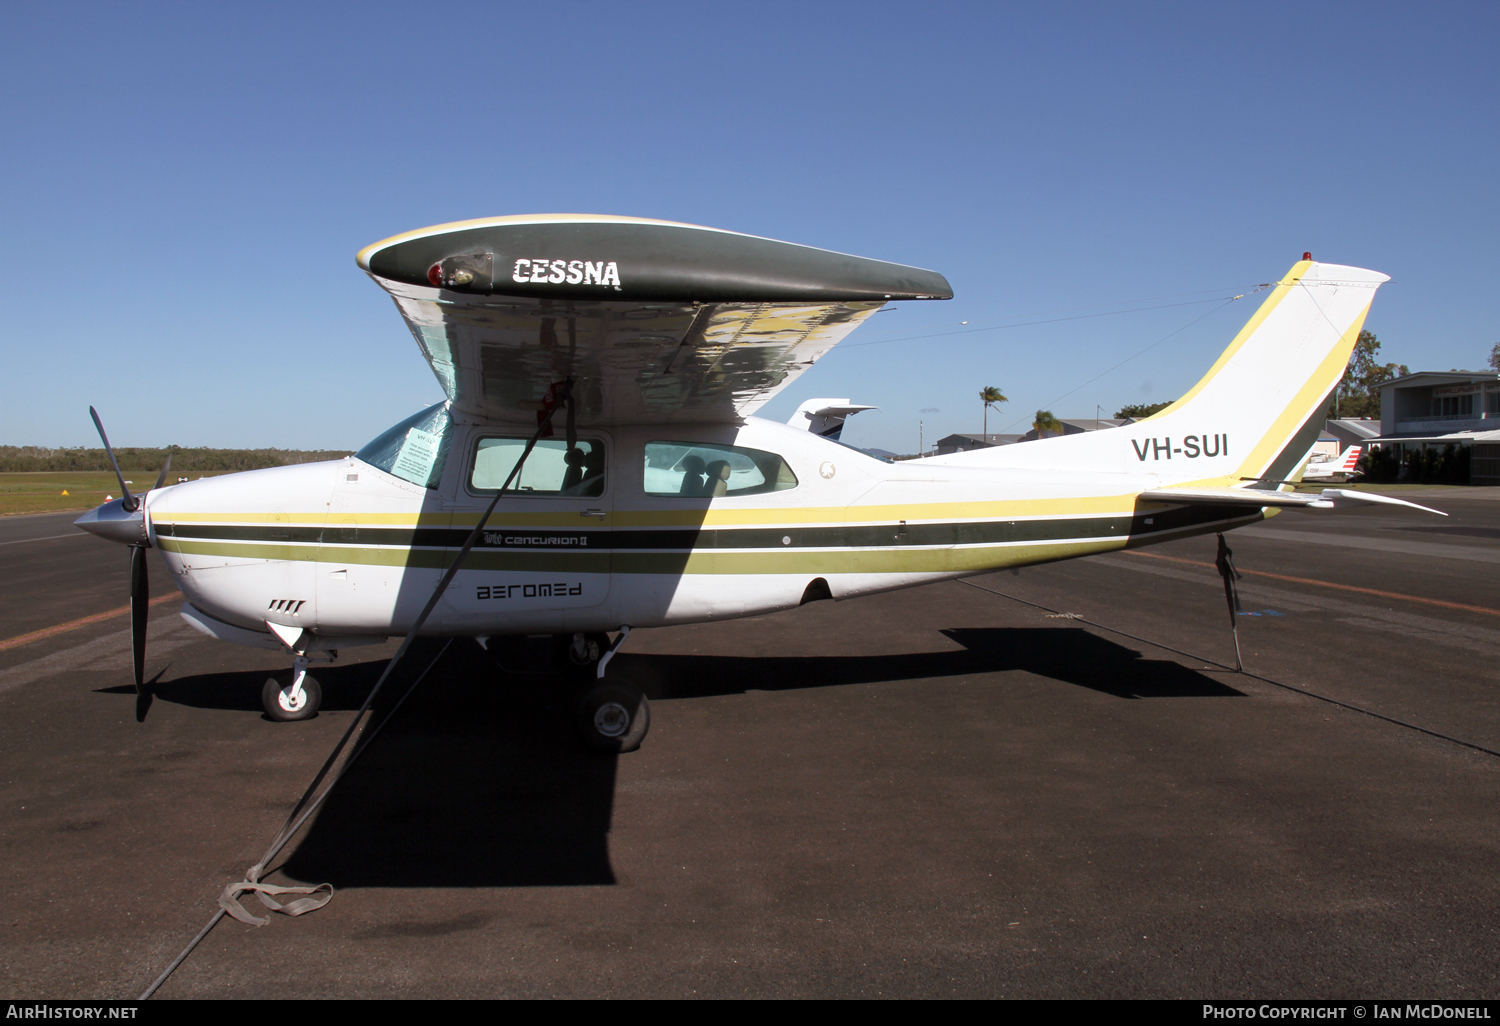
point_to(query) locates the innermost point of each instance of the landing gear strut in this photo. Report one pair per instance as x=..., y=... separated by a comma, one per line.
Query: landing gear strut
x=293, y=695
x=577, y=656
x=612, y=716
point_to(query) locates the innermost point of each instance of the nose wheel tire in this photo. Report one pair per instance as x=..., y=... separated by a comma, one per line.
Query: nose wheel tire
x=285, y=703
x=577, y=655
x=614, y=717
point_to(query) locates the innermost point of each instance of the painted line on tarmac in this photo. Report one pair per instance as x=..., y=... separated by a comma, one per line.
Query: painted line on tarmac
x=45, y=537
x=1329, y=584
x=1355, y=611
x=45, y=513
x=73, y=625
x=110, y=654
x=1469, y=553
x=1223, y=666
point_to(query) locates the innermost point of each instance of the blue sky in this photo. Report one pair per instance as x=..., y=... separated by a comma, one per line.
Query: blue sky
x=184, y=188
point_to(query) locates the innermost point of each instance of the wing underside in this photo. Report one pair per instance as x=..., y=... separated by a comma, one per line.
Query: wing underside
x=631, y=362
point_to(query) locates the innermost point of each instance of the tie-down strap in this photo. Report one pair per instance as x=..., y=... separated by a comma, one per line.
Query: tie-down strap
x=316, y=898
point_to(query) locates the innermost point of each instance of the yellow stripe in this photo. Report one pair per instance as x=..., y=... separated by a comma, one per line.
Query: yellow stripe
x=698, y=561
x=1282, y=290
x=308, y=519
x=885, y=561
x=1305, y=403
x=1010, y=509
x=250, y=550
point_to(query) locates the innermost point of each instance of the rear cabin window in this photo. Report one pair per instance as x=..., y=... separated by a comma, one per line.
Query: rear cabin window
x=551, y=469
x=697, y=470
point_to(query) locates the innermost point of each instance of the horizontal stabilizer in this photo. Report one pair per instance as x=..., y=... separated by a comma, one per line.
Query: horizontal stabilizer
x=1343, y=498
x=825, y=417
x=1329, y=498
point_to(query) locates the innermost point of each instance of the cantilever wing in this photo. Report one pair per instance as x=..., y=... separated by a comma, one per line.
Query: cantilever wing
x=655, y=321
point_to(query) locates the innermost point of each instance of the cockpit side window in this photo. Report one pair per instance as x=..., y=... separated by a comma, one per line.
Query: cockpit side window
x=551, y=469
x=414, y=450
x=700, y=470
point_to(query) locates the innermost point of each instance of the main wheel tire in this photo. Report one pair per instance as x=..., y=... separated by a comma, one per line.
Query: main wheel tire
x=573, y=664
x=614, y=717
x=275, y=697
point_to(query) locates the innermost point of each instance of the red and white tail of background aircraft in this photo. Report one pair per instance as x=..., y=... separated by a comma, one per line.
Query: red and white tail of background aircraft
x=1333, y=466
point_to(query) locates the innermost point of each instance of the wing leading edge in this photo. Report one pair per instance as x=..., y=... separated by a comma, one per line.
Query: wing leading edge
x=656, y=322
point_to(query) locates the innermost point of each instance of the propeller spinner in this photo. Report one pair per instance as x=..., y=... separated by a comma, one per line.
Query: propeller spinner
x=124, y=520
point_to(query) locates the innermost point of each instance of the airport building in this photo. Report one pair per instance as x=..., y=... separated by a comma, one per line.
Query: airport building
x=1070, y=426
x=1441, y=408
x=965, y=443
x=1351, y=431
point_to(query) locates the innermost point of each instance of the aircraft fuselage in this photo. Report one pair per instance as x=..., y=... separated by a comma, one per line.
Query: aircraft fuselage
x=348, y=550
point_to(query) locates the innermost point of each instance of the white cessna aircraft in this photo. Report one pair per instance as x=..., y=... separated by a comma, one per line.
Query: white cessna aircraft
x=1328, y=467
x=597, y=466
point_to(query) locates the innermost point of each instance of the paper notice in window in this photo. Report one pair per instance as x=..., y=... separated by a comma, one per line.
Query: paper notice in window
x=418, y=452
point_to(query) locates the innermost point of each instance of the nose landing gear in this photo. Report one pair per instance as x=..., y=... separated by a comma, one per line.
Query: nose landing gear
x=292, y=695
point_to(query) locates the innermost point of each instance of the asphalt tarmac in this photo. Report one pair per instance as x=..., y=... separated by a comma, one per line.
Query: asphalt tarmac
x=936, y=792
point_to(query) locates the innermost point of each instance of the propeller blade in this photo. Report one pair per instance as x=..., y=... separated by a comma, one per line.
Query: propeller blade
x=161, y=478
x=130, y=503
x=140, y=603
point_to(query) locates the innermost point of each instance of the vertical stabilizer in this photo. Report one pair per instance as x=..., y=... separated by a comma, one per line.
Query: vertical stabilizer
x=1256, y=413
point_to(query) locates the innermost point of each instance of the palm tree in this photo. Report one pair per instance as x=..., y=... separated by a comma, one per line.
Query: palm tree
x=990, y=395
x=1046, y=424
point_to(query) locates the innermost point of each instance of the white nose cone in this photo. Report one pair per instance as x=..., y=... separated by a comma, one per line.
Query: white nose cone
x=114, y=522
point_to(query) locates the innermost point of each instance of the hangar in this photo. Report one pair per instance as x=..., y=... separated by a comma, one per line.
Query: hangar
x=1440, y=408
x=1070, y=426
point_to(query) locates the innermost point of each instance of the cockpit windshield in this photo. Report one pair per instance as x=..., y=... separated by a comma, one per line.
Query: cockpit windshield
x=414, y=450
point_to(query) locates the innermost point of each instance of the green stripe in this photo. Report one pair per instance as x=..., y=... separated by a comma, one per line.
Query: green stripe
x=806, y=551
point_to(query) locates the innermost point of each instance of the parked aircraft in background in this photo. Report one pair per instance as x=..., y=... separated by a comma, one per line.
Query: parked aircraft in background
x=1332, y=466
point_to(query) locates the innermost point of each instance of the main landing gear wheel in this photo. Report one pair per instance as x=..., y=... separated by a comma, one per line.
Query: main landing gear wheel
x=613, y=717
x=285, y=703
x=576, y=656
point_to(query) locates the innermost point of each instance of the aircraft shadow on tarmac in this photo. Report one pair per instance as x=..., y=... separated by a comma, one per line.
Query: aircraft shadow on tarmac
x=1070, y=655
x=480, y=780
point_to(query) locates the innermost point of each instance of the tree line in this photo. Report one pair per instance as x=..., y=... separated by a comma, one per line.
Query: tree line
x=41, y=459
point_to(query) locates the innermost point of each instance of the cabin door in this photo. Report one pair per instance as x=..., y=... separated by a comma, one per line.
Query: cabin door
x=546, y=548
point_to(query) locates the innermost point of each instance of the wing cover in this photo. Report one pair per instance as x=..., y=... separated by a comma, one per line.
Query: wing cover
x=656, y=322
